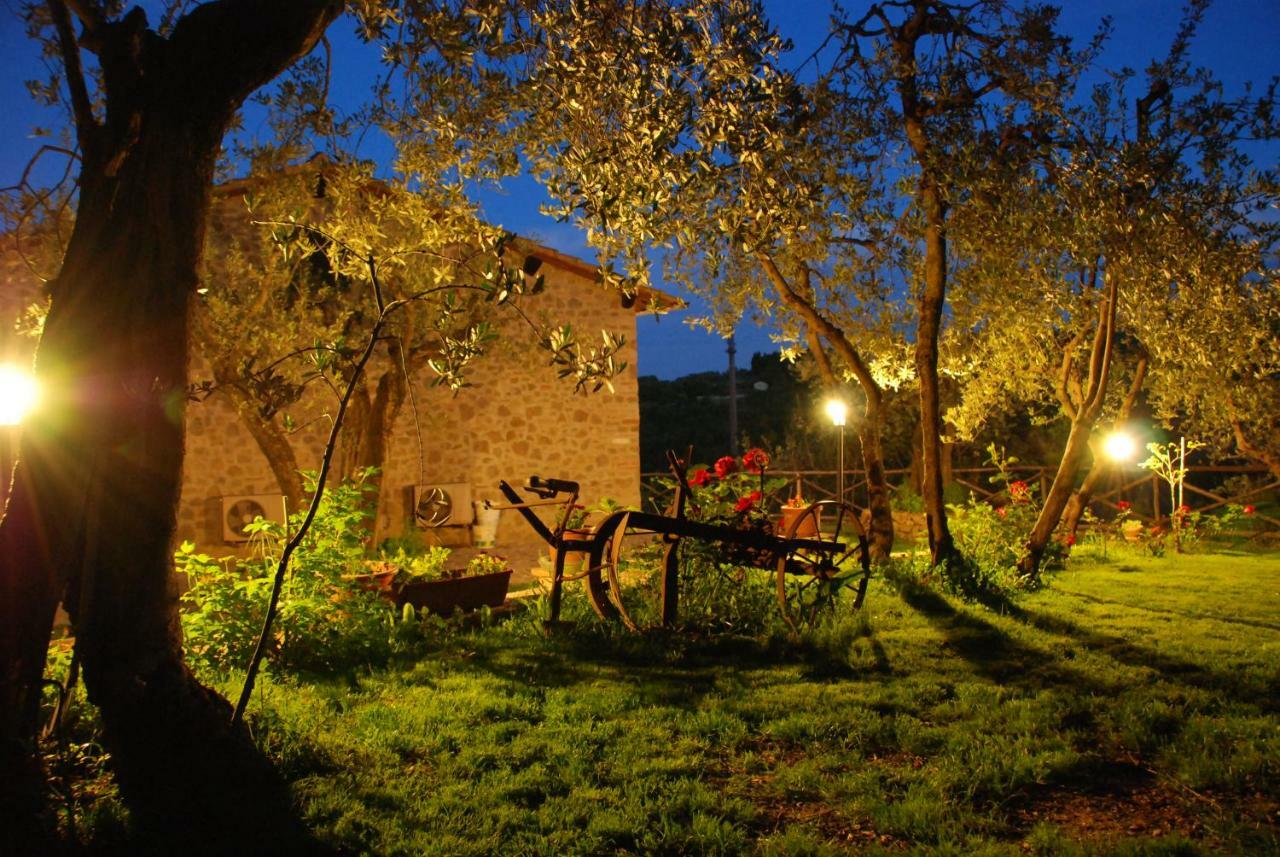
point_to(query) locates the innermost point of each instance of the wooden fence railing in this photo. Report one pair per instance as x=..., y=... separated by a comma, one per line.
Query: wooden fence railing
x=1206, y=488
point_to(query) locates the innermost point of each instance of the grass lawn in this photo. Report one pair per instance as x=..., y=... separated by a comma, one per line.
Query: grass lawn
x=1129, y=708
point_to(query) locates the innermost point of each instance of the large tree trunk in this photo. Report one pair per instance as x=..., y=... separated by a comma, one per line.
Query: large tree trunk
x=932, y=298
x=1083, y=495
x=1257, y=452
x=96, y=488
x=879, y=496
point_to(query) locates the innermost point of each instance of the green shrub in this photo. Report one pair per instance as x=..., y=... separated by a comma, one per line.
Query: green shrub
x=326, y=622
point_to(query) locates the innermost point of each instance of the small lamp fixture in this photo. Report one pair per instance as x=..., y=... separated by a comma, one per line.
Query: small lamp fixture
x=18, y=394
x=837, y=411
x=1119, y=446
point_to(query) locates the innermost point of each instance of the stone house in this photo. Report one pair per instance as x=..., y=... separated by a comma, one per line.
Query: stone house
x=516, y=419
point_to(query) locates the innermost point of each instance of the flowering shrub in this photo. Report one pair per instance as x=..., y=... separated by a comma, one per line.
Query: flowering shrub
x=993, y=537
x=755, y=461
x=720, y=586
x=726, y=465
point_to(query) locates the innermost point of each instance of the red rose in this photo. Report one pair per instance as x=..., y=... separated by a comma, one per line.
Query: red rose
x=1001, y=511
x=725, y=466
x=1249, y=510
x=1019, y=492
x=756, y=460
x=1184, y=509
x=700, y=477
x=1070, y=540
x=1123, y=505
x=747, y=502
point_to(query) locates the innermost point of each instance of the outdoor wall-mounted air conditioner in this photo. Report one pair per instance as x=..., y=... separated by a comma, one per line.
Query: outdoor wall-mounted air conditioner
x=240, y=510
x=445, y=504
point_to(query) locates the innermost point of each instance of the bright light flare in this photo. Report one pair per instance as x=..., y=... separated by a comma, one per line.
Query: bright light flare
x=18, y=394
x=837, y=411
x=1119, y=446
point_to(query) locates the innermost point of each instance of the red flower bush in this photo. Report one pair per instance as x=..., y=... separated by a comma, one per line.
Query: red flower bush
x=1184, y=509
x=725, y=466
x=746, y=502
x=1019, y=492
x=756, y=460
x=700, y=477
x=1249, y=510
x=1001, y=511
x=1124, y=505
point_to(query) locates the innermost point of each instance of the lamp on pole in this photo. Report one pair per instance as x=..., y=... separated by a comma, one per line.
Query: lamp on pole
x=18, y=395
x=839, y=413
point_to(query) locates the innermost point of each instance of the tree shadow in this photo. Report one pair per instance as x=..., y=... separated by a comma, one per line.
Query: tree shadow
x=1186, y=614
x=1265, y=697
x=991, y=651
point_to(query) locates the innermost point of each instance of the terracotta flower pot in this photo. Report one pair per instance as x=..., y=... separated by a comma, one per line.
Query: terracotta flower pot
x=572, y=561
x=443, y=597
x=789, y=515
x=381, y=580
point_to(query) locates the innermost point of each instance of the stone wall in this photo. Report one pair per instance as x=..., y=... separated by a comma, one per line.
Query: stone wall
x=517, y=419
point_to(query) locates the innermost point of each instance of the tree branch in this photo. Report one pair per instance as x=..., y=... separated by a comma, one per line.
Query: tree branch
x=809, y=313
x=233, y=47
x=81, y=106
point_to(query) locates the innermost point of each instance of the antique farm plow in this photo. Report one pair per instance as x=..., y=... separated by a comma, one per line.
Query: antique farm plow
x=822, y=551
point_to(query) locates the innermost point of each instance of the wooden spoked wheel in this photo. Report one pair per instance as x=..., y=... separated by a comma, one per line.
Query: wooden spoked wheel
x=811, y=578
x=635, y=581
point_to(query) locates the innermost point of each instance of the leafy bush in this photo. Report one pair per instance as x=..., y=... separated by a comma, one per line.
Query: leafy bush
x=327, y=621
x=993, y=537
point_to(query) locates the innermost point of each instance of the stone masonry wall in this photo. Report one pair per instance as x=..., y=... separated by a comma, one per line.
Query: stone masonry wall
x=517, y=419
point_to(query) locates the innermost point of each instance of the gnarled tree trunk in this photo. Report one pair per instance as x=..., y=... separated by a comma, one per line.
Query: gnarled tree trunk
x=92, y=514
x=371, y=418
x=1082, y=423
x=871, y=427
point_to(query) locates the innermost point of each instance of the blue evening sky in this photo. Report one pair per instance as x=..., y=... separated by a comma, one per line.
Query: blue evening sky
x=1239, y=40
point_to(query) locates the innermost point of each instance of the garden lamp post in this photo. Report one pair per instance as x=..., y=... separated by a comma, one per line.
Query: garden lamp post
x=18, y=395
x=839, y=412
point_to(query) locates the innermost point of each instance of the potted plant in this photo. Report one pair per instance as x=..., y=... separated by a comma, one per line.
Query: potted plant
x=379, y=577
x=791, y=511
x=483, y=583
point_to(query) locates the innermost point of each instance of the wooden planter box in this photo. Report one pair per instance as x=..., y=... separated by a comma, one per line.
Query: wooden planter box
x=443, y=597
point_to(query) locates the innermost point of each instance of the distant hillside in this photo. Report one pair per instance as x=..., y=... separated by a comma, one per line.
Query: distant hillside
x=772, y=402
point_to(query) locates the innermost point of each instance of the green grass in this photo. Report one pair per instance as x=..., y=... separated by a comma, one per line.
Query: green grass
x=1128, y=708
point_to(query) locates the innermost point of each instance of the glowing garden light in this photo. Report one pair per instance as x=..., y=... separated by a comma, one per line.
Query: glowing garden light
x=839, y=413
x=18, y=394
x=1119, y=446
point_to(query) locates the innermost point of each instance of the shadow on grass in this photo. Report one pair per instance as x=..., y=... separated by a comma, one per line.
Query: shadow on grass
x=1266, y=699
x=1124, y=651
x=1186, y=614
x=991, y=651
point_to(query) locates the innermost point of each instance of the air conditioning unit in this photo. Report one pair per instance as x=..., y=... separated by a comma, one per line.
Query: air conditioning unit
x=240, y=510
x=446, y=504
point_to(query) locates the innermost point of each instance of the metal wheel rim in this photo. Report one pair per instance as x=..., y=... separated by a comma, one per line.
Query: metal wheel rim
x=827, y=565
